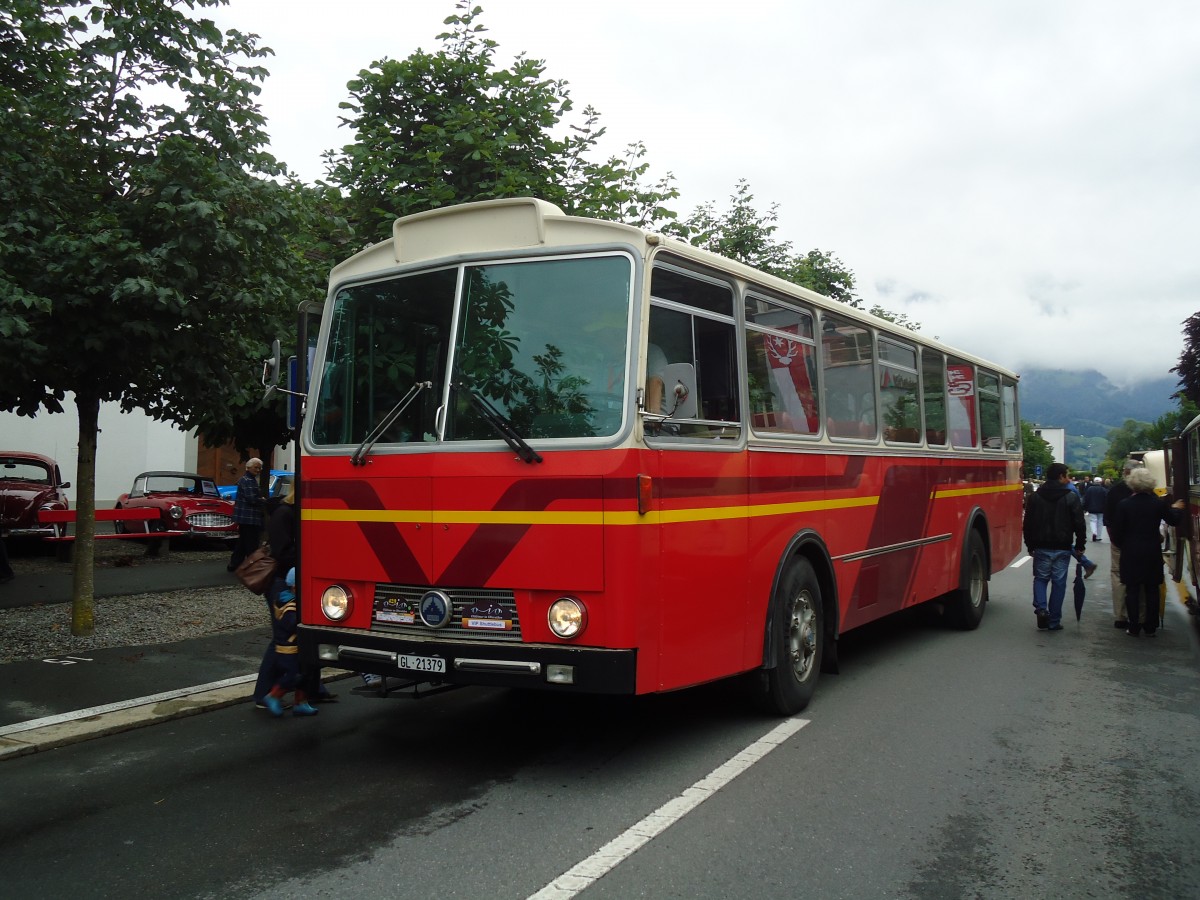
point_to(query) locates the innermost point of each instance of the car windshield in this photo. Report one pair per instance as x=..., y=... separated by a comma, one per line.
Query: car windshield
x=544, y=343
x=24, y=470
x=166, y=483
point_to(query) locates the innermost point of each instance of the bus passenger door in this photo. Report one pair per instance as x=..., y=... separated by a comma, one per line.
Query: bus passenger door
x=702, y=565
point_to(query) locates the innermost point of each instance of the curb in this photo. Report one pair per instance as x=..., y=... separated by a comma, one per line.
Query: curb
x=37, y=735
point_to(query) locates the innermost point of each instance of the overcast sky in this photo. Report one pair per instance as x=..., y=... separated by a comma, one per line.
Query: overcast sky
x=1022, y=177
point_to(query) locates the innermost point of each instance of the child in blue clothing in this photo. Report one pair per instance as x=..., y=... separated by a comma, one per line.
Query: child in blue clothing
x=284, y=615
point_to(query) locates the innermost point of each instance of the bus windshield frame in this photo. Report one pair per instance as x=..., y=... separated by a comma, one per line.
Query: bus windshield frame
x=543, y=341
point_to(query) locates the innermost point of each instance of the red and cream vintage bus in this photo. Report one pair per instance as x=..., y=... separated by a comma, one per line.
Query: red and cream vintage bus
x=544, y=451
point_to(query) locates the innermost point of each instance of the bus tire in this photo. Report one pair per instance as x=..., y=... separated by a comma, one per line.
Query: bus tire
x=966, y=605
x=799, y=637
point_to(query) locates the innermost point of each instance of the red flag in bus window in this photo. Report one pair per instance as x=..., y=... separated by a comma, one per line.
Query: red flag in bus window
x=960, y=384
x=789, y=368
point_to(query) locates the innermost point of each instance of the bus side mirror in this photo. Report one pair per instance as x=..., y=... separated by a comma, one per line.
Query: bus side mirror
x=679, y=384
x=270, y=373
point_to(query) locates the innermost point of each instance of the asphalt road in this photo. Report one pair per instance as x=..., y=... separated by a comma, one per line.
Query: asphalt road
x=1004, y=762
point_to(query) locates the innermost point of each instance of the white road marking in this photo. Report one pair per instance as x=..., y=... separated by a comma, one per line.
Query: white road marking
x=612, y=854
x=1020, y=562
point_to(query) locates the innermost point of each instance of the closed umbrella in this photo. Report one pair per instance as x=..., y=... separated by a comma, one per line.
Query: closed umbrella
x=1079, y=591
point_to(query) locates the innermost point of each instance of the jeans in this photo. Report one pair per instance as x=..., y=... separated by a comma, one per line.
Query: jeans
x=1050, y=567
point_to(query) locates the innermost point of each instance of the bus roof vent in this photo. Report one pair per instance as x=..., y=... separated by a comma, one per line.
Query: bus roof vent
x=487, y=225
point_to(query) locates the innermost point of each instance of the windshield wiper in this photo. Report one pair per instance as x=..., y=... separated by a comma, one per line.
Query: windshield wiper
x=360, y=455
x=500, y=423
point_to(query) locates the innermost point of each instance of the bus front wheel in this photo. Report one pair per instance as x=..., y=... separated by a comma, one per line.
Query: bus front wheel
x=966, y=605
x=799, y=638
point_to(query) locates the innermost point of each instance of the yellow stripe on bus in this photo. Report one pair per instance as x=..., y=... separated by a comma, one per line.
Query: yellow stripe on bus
x=579, y=517
x=942, y=493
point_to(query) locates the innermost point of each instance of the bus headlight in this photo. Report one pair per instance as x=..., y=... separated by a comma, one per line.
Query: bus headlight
x=336, y=602
x=567, y=617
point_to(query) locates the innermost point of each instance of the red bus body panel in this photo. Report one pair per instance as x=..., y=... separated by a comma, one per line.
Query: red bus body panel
x=686, y=584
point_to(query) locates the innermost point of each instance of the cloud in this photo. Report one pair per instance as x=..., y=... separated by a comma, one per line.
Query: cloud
x=1018, y=176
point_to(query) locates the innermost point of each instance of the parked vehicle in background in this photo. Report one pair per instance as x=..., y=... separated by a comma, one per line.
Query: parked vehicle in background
x=277, y=485
x=189, y=505
x=29, y=482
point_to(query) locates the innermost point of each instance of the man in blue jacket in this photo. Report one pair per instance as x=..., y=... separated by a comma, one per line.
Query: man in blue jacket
x=1093, y=504
x=1053, y=525
x=248, y=513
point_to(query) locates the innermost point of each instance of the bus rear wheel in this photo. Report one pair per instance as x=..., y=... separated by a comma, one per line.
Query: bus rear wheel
x=799, y=639
x=965, y=607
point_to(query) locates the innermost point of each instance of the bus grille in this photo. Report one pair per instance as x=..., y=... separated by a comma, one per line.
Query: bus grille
x=488, y=609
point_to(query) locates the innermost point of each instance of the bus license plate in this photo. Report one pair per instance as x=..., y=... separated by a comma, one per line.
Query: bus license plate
x=433, y=664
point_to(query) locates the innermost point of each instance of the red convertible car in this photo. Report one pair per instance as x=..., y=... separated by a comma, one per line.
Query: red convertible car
x=28, y=482
x=188, y=504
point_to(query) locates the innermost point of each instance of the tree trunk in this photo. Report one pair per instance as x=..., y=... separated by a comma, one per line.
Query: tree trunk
x=83, y=607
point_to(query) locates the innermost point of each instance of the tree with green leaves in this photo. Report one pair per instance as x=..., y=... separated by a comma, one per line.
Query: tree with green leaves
x=435, y=129
x=1188, y=368
x=144, y=224
x=1037, y=451
x=1132, y=435
x=1135, y=435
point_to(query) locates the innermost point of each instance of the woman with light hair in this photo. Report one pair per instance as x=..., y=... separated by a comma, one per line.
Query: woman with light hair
x=1135, y=530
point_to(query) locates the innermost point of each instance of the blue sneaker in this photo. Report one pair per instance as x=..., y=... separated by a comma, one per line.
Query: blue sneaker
x=273, y=705
x=304, y=709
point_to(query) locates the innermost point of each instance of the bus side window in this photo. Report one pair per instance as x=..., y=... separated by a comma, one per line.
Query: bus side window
x=691, y=321
x=847, y=356
x=933, y=397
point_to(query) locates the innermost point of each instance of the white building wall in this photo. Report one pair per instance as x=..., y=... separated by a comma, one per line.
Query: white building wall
x=128, y=443
x=1056, y=438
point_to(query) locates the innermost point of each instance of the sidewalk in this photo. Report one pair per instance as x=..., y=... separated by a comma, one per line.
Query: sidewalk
x=52, y=702
x=56, y=586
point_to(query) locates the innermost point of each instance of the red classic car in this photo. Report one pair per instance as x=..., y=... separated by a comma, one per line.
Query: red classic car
x=28, y=482
x=188, y=504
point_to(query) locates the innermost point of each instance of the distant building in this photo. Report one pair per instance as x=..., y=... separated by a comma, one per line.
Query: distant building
x=128, y=444
x=1056, y=438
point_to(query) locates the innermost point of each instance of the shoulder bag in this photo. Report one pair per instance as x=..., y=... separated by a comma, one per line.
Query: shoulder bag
x=257, y=569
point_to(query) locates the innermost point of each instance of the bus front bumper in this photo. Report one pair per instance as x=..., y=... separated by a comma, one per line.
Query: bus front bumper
x=588, y=670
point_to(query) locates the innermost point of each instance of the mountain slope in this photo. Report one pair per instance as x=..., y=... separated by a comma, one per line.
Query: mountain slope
x=1087, y=404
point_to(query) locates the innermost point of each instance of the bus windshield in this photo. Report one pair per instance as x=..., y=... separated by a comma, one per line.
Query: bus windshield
x=544, y=342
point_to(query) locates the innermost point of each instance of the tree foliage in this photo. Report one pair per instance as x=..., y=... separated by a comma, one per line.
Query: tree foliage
x=144, y=227
x=1188, y=368
x=453, y=126
x=1037, y=450
x=1134, y=435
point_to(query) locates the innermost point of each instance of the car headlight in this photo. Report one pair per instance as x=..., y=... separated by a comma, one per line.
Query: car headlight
x=567, y=617
x=175, y=512
x=336, y=602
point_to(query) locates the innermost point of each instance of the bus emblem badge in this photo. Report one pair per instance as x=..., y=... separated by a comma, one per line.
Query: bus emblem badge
x=435, y=608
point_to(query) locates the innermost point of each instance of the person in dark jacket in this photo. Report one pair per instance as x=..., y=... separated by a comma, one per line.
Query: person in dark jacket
x=247, y=513
x=1093, y=504
x=1053, y=529
x=1135, y=529
x=1118, y=492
